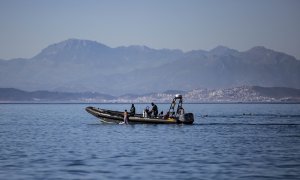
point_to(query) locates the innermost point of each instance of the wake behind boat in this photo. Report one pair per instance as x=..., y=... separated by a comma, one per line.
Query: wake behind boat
x=175, y=115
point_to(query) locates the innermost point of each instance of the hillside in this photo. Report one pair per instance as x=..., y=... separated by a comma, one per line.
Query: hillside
x=16, y=95
x=230, y=95
x=81, y=65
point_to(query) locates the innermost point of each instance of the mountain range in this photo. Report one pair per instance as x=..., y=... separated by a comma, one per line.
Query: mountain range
x=87, y=66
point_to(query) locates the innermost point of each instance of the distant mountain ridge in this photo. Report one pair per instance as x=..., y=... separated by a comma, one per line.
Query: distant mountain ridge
x=13, y=95
x=81, y=65
x=230, y=95
x=64, y=51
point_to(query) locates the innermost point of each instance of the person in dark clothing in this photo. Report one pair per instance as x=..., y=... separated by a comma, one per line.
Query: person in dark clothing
x=161, y=114
x=132, y=110
x=154, y=109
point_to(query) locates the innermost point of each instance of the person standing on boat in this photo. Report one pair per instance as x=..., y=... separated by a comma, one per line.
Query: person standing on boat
x=132, y=110
x=126, y=117
x=154, y=109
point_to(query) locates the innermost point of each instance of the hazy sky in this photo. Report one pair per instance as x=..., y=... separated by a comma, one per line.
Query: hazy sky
x=28, y=26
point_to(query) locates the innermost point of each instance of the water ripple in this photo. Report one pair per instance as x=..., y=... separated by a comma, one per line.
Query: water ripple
x=64, y=142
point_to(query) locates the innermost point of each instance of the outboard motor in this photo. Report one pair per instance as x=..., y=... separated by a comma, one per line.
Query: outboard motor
x=187, y=118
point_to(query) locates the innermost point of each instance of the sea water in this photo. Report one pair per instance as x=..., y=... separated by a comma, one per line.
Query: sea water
x=226, y=141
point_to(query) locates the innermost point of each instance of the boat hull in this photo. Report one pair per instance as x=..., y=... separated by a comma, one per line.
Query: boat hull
x=109, y=116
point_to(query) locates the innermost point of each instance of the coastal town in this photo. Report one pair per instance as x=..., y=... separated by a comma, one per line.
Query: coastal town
x=244, y=94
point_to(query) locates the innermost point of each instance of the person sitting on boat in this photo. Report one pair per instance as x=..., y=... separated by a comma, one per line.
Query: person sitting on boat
x=166, y=116
x=132, y=110
x=154, y=110
x=126, y=117
x=161, y=114
x=146, y=112
x=180, y=111
x=172, y=115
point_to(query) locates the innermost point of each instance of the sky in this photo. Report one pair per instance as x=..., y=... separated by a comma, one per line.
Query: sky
x=27, y=27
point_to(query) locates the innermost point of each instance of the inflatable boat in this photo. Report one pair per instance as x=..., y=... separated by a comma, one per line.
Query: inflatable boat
x=173, y=116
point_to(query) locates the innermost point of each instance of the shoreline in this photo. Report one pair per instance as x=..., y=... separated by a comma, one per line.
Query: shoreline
x=61, y=102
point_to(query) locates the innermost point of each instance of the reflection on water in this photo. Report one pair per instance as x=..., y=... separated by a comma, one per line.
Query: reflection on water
x=227, y=141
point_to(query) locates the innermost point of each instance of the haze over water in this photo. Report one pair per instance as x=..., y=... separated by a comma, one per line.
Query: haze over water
x=227, y=141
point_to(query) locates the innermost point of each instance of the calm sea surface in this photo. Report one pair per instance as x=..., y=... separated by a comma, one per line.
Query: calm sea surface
x=227, y=141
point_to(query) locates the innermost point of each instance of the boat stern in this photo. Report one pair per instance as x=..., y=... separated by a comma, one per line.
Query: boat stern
x=187, y=118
